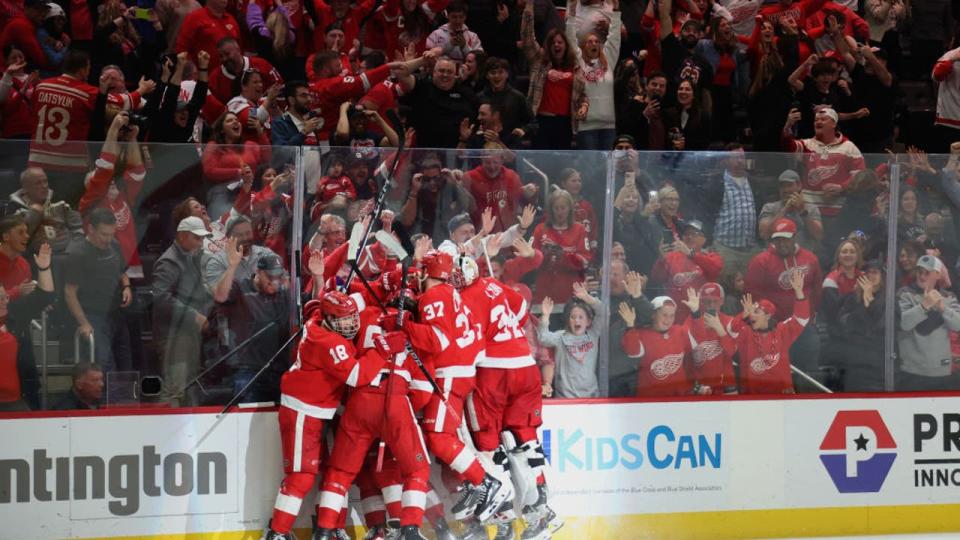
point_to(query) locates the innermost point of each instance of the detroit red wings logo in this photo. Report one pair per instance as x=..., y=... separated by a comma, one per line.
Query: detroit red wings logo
x=682, y=279
x=784, y=279
x=764, y=363
x=706, y=351
x=662, y=368
x=816, y=175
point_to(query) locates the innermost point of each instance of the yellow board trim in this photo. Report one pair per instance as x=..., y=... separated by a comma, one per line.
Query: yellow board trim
x=734, y=524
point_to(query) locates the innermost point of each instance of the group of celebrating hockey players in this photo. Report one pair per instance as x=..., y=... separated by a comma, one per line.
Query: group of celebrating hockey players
x=432, y=362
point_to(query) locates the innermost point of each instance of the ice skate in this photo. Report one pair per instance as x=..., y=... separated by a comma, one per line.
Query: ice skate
x=271, y=534
x=537, y=530
x=494, y=493
x=443, y=532
x=504, y=531
x=470, y=497
x=505, y=514
x=377, y=532
x=473, y=530
x=324, y=534
x=411, y=532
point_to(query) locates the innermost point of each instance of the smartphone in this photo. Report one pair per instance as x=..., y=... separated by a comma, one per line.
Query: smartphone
x=141, y=13
x=667, y=237
x=712, y=312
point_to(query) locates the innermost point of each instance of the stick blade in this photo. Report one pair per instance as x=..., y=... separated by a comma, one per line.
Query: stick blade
x=391, y=244
x=356, y=237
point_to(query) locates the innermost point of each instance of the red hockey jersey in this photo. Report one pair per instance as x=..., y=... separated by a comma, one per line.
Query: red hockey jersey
x=712, y=355
x=562, y=267
x=450, y=338
x=222, y=81
x=765, y=356
x=768, y=278
x=333, y=91
x=678, y=272
x=663, y=366
x=326, y=365
x=502, y=314
x=411, y=380
x=96, y=195
x=63, y=107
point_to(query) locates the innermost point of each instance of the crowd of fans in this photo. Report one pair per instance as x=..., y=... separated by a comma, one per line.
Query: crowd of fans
x=725, y=269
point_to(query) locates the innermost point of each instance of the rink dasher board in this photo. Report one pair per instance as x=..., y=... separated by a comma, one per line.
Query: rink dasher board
x=669, y=469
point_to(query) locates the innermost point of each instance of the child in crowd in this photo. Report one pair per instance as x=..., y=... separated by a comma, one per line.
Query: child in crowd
x=583, y=212
x=577, y=346
x=764, y=345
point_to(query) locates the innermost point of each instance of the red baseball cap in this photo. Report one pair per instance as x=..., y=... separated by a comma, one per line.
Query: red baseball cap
x=784, y=228
x=768, y=307
x=711, y=291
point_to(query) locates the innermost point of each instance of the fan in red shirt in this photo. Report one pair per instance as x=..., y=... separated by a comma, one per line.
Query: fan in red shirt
x=253, y=106
x=798, y=11
x=14, y=269
x=18, y=117
x=686, y=265
x=10, y=396
x=764, y=346
x=203, y=29
x=661, y=350
x=64, y=107
x=769, y=273
x=398, y=23
x=340, y=11
x=233, y=64
x=497, y=187
x=331, y=89
x=102, y=191
x=21, y=32
x=326, y=364
x=565, y=247
x=712, y=351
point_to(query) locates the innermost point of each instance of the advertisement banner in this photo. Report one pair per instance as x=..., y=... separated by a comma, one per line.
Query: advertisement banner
x=672, y=469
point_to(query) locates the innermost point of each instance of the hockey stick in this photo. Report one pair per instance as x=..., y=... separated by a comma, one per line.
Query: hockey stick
x=816, y=384
x=282, y=348
x=381, y=451
x=232, y=352
x=377, y=210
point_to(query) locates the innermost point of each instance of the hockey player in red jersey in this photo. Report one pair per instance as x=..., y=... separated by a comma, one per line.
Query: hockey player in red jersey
x=451, y=342
x=507, y=401
x=363, y=421
x=326, y=363
x=764, y=346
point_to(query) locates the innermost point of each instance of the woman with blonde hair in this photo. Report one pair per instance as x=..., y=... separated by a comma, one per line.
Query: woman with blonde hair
x=596, y=60
x=117, y=42
x=272, y=30
x=565, y=247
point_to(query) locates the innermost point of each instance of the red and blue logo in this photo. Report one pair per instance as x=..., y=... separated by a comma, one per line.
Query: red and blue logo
x=858, y=451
